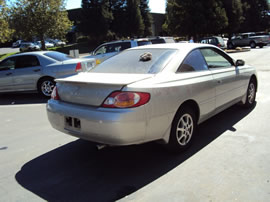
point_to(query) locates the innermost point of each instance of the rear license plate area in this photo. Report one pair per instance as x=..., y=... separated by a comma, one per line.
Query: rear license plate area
x=72, y=123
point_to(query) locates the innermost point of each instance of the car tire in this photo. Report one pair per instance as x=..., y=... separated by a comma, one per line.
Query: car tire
x=183, y=130
x=45, y=86
x=252, y=44
x=230, y=46
x=251, y=94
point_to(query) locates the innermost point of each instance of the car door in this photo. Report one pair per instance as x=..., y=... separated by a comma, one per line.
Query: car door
x=6, y=74
x=226, y=76
x=201, y=82
x=27, y=72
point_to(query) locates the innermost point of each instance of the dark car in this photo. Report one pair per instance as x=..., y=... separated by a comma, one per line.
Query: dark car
x=214, y=40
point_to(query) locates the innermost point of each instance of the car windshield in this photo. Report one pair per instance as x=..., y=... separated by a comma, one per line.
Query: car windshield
x=58, y=56
x=139, y=61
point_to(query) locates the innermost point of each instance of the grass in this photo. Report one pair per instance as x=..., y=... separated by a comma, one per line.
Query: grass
x=3, y=56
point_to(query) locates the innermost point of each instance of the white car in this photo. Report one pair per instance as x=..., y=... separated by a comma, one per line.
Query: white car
x=151, y=93
x=37, y=71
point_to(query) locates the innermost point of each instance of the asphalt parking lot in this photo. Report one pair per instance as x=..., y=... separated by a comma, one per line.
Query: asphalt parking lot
x=229, y=161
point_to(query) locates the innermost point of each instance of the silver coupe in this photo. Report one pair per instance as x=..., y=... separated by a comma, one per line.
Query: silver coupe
x=149, y=93
x=37, y=70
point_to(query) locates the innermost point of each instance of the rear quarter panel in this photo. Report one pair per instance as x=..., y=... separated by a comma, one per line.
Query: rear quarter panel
x=169, y=92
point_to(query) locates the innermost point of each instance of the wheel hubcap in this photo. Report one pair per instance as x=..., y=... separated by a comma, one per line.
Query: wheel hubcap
x=184, y=129
x=47, y=87
x=251, y=93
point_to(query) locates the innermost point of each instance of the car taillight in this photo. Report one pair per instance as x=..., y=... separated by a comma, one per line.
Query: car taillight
x=78, y=67
x=219, y=45
x=121, y=99
x=54, y=94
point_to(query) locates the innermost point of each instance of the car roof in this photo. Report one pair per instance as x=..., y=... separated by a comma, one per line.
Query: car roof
x=31, y=53
x=179, y=46
x=184, y=48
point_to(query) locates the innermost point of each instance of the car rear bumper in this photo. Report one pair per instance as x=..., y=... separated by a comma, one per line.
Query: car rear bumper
x=106, y=126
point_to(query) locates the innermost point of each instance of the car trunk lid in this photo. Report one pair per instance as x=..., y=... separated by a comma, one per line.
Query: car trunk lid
x=93, y=88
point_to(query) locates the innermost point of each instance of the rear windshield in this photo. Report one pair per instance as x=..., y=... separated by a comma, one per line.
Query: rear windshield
x=58, y=56
x=142, y=61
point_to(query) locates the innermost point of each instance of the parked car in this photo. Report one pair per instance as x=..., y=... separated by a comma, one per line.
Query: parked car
x=17, y=43
x=162, y=39
x=37, y=71
x=247, y=39
x=47, y=44
x=264, y=34
x=214, y=40
x=107, y=50
x=57, y=42
x=156, y=92
x=28, y=46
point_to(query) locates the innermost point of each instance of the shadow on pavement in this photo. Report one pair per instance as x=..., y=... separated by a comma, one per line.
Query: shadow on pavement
x=21, y=98
x=78, y=172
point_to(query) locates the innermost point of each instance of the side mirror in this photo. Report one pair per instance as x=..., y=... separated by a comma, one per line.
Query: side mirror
x=239, y=63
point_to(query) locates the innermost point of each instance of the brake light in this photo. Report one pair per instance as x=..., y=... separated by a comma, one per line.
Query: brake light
x=54, y=94
x=121, y=99
x=219, y=45
x=78, y=67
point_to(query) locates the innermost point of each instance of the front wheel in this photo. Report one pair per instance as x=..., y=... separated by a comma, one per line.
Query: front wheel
x=251, y=94
x=183, y=129
x=46, y=86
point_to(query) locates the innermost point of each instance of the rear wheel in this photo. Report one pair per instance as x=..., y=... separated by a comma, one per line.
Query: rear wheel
x=45, y=86
x=183, y=129
x=252, y=44
x=251, y=94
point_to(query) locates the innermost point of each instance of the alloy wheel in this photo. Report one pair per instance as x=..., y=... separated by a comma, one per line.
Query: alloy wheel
x=184, y=129
x=251, y=93
x=47, y=87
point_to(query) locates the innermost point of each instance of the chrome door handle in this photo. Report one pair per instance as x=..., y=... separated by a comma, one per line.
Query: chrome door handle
x=36, y=70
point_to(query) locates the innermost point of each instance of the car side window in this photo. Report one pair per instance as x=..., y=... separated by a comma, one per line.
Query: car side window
x=8, y=64
x=193, y=62
x=215, y=59
x=101, y=50
x=26, y=61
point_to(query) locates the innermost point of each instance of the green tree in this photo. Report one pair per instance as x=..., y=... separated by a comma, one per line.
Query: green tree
x=6, y=31
x=147, y=18
x=40, y=18
x=234, y=13
x=256, y=18
x=195, y=18
x=120, y=22
x=96, y=18
x=135, y=26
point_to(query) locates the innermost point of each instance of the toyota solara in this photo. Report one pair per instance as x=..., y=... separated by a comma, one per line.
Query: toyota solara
x=153, y=92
